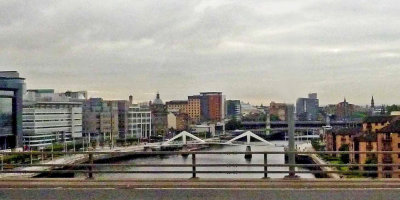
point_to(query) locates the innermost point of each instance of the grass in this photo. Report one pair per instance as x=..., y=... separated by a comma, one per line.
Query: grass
x=346, y=171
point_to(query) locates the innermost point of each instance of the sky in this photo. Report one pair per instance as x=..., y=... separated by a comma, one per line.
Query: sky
x=255, y=51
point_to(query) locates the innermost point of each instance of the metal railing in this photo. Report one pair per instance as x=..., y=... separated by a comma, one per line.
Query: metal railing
x=87, y=165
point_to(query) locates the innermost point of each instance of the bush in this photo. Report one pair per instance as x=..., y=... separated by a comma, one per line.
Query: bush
x=316, y=144
x=345, y=158
x=371, y=160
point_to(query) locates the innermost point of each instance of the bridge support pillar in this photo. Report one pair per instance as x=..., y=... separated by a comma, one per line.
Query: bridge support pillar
x=185, y=149
x=248, y=154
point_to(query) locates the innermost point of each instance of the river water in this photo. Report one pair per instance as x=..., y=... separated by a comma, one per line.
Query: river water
x=207, y=159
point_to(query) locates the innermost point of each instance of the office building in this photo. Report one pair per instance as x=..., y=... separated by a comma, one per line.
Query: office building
x=11, y=97
x=177, y=106
x=47, y=122
x=139, y=122
x=123, y=109
x=97, y=119
x=194, y=108
x=233, y=109
x=78, y=95
x=307, y=109
x=212, y=106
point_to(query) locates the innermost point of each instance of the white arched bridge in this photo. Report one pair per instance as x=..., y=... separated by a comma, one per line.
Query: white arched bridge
x=186, y=138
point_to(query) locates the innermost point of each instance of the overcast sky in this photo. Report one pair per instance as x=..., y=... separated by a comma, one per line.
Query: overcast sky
x=256, y=51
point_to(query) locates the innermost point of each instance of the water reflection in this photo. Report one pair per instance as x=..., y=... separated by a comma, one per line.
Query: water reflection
x=207, y=159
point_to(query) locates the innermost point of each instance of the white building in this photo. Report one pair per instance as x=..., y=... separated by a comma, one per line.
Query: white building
x=139, y=122
x=171, y=117
x=45, y=123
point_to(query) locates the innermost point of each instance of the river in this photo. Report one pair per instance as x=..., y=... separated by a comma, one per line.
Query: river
x=206, y=159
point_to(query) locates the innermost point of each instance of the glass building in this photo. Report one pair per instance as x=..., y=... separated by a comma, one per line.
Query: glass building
x=11, y=93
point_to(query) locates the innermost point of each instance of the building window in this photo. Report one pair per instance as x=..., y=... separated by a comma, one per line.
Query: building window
x=6, y=116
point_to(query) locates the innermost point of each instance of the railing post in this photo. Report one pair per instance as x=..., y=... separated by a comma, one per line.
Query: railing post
x=194, y=165
x=265, y=165
x=90, y=175
x=2, y=162
x=31, y=158
x=52, y=155
x=292, y=149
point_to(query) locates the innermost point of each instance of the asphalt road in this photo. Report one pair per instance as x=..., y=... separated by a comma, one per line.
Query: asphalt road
x=209, y=194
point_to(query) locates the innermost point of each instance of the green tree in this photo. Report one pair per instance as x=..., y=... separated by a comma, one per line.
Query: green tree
x=274, y=118
x=233, y=124
x=345, y=158
x=371, y=160
x=392, y=108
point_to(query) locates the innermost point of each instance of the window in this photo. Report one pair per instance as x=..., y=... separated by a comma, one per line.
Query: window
x=6, y=116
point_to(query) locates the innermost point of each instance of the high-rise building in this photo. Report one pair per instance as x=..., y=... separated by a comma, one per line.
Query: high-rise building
x=307, y=108
x=233, y=109
x=212, y=106
x=12, y=88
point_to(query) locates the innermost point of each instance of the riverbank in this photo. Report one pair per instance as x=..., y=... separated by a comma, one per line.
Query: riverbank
x=315, y=159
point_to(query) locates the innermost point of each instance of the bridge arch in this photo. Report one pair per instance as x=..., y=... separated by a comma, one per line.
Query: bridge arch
x=184, y=135
x=249, y=135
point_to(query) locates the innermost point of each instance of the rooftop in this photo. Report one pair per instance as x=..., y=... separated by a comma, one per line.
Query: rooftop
x=347, y=131
x=393, y=127
x=365, y=137
x=10, y=75
x=177, y=102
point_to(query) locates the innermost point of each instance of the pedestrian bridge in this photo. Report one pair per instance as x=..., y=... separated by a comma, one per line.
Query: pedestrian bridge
x=183, y=138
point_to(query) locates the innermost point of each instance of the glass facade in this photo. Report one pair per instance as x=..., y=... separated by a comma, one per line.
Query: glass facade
x=6, y=116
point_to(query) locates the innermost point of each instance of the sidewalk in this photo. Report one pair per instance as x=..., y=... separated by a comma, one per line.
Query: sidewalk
x=307, y=147
x=68, y=159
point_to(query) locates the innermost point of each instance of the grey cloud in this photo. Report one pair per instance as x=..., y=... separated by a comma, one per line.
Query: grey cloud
x=252, y=50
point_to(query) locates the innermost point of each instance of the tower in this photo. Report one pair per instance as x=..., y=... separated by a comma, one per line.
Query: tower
x=372, y=102
x=131, y=99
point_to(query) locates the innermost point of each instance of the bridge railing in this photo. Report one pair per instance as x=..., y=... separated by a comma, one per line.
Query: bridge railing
x=28, y=165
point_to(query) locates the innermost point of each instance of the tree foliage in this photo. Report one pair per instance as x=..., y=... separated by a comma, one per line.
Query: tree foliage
x=274, y=118
x=233, y=124
x=392, y=108
x=345, y=158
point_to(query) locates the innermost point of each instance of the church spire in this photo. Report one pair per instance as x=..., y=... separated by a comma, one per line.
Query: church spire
x=372, y=102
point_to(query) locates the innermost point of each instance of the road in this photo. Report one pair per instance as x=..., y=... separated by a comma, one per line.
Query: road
x=198, y=193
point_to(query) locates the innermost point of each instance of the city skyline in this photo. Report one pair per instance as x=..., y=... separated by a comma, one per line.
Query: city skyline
x=154, y=95
x=258, y=51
